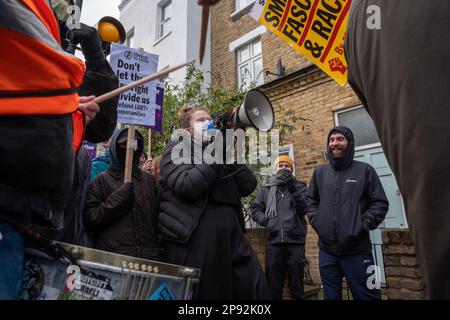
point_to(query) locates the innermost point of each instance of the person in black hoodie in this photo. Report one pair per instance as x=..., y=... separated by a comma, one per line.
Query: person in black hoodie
x=123, y=216
x=201, y=218
x=346, y=201
x=280, y=206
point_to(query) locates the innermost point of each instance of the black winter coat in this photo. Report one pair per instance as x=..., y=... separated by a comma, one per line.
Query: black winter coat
x=289, y=225
x=187, y=188
x=202, y=224
x=123, y=217
x=346, y=201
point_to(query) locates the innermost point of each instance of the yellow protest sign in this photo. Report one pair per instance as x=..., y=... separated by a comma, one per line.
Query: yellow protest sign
x=315, y=28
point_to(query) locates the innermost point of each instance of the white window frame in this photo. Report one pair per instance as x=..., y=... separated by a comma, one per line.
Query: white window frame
x=159, y=21
x=288, y=150
x=336, y=121
x=130, y=38
x=246, y=38
x=242, y=4
x=254, y=77
x=238, y=7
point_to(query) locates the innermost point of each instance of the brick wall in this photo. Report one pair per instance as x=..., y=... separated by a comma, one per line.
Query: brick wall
x=258, y=239
x=314, y=97
x=225, y=29
x=403, y=278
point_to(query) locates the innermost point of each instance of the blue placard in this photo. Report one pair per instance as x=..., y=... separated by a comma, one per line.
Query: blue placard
x=163, y=293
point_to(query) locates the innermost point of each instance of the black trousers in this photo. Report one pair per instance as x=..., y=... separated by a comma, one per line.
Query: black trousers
x=282, y=258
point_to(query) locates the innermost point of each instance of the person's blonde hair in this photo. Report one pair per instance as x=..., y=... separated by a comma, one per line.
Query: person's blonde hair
x=186, y=114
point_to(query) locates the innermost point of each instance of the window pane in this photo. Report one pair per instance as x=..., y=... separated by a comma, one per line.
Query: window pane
x=244, y=54
x=244, y=75
x=130, y=42
x=130, y=38
x=164, y=28
x=257, y=68
x=167, y=11
x=359, y=121
x=161, y=30
x=256, y=47
x=243, y=3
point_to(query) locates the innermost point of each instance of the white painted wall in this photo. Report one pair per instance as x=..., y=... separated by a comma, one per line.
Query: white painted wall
x=180, y=45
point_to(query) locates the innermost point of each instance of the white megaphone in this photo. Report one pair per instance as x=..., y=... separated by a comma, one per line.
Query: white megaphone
x=256, y=111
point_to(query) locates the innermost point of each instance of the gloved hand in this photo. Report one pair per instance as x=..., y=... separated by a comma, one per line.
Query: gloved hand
x=89, y=41
x=125, y=193
x=284, y=175
x=292, y=187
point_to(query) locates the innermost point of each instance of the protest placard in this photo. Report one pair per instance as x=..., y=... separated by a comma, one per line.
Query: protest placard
x=91, y=149
x=136, y=106
x=158, y=106
x=315, y=28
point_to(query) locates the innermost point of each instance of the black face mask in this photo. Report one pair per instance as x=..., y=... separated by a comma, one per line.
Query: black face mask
x=121, y=154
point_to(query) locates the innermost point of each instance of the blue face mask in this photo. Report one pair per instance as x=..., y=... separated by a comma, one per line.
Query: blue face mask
x=205, y=129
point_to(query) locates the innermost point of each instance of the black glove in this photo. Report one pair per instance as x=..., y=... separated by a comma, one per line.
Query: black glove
x=292, y=186
x=125, y=193
x=89, y=41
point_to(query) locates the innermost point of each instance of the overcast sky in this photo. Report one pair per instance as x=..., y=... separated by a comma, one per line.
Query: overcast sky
x=93, y=10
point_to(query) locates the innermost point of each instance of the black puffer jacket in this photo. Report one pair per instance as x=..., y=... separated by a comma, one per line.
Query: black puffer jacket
x=187, y=188
x=346, y=201
x=289, y=225
x=123, y=217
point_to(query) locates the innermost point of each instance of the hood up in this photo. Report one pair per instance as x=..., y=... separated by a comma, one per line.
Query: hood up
x=346, y=160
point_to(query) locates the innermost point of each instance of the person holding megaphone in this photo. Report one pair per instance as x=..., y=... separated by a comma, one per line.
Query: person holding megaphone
x=201, y=218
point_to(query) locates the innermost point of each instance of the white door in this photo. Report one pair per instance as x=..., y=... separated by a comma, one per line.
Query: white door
x=395, y=216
